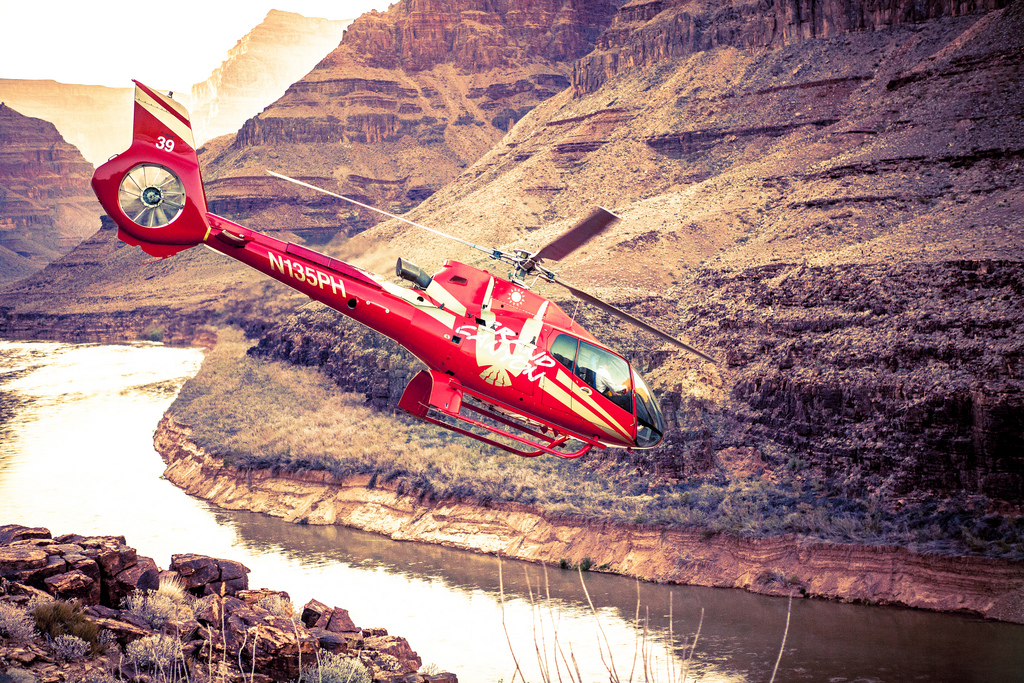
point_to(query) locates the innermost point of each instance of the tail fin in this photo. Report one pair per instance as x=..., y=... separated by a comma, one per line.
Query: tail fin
x=154, y=190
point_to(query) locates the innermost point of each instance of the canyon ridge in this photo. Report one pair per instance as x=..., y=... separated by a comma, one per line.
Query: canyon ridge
x=825, y=196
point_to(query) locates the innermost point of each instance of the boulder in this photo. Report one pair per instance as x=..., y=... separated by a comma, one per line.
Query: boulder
x=316, y=615
x=336, y=643
x=112, y=556
x=74, y=585
x=341, y=622
x=205, y=575
x=9, y=533
x=195, y=570
x=397, y=647
x=142, y=575
x=16, y=560
x=124, y=631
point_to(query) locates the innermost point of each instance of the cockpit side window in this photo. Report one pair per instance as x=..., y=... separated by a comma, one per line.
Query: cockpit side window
x=607, y=373
x=650, y=424
x=563, y=349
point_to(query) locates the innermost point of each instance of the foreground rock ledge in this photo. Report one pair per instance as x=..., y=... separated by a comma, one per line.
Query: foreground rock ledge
x=226, y=624
x=888, y=575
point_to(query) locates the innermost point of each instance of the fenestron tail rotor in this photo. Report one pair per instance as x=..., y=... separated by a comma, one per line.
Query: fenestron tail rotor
x=526, y=263
x=151, y=195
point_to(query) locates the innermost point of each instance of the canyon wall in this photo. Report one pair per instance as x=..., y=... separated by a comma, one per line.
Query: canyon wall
x=871, y=574
x=46, y=204
x=258, y=69
x=94, y=118
x=652, y=31
x=410, y=98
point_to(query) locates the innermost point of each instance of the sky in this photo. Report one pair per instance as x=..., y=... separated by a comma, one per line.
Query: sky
x=169, y=44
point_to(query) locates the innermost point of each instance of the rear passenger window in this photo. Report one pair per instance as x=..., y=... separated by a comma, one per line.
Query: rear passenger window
x=564, y=350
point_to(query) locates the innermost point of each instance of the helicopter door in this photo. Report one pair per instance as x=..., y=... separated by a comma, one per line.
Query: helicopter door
x=563, y=350
x=605, y=376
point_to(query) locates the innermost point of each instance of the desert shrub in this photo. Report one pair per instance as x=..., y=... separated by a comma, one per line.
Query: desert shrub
x=169, y=602
x=61, y=618
x=16, y=623
x=155, y=653
x=276, y=604
x=334, y=668
x=70, y=648
x=108, y=640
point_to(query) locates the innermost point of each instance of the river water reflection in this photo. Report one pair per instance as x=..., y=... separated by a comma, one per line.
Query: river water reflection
x=76, y=455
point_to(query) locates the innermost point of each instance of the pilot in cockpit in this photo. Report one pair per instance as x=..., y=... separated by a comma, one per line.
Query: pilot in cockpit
x=606, y=385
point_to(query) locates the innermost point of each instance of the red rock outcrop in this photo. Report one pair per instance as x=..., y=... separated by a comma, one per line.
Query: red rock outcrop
x=407, y=101
x=46, y=204
x=258, y=69
x=229, y=624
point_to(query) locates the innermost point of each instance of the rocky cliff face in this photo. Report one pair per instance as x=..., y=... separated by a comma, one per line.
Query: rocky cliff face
x=408, y=100
x=258, y=69
x=46, y=204
x=646, y=32
x=836, y=217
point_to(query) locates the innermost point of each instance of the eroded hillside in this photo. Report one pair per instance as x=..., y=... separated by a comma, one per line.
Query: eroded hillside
x=832, y=209
x=837, y=216
x=409, y=99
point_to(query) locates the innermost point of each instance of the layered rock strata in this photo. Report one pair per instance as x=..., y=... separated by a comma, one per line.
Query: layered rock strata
x=243, y=632
x=407, y=101
x=646, y=32
x=46, y=204
x=874, y=574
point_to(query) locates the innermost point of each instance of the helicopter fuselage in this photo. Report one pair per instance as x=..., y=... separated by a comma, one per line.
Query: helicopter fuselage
x=477, y=333
x=503, y=365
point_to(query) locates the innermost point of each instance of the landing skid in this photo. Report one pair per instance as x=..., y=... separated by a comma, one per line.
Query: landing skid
x=438, y=392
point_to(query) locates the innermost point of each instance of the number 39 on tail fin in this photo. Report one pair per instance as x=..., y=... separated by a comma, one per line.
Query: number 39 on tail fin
x=154, y=190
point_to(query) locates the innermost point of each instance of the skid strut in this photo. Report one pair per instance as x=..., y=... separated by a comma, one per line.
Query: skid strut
x=433, y=390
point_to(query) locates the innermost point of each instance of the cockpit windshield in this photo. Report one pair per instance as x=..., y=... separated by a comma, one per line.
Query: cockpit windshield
x=650, y=425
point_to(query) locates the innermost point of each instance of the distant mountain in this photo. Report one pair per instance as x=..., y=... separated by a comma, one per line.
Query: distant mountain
x=258, y=69
x=98, y=119
x=94, y=118
x=46, y=204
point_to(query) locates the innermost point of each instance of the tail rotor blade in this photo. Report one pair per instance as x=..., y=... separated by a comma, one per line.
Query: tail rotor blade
x=576, y=237
x=608, y=308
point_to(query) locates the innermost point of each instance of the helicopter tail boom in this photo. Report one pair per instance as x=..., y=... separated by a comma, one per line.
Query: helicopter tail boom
x=154, y=189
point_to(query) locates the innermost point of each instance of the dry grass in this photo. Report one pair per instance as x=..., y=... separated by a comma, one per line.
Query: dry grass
x=268, y=414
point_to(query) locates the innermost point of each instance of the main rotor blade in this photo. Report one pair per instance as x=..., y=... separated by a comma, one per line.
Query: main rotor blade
x=608, y=308
x=493, y=253
x=577, y=236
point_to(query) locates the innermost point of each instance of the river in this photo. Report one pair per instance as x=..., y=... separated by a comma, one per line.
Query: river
x=76, y=456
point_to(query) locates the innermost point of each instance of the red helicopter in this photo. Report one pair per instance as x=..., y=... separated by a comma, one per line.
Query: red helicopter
x=500, y=359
